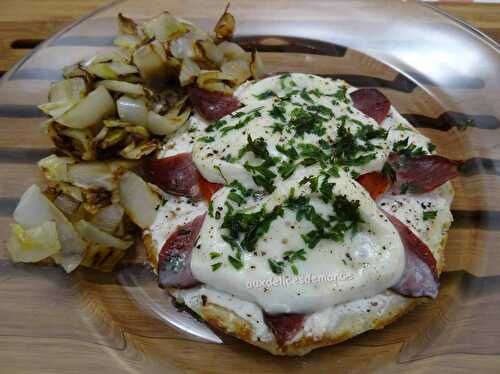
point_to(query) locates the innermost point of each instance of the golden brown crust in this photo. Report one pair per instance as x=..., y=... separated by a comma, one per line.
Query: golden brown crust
x=149, y=247
x=230, y=323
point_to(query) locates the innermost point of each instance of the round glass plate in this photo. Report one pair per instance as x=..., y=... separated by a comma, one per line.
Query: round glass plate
x=441, y=74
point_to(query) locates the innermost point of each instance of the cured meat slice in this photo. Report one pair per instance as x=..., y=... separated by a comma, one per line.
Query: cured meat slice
x=375, y=183
x=212, y=105
x=284, y=326
x=176, y=175
x=422, y=174
x=174, y=263
x=420, y=276
x=371, y=102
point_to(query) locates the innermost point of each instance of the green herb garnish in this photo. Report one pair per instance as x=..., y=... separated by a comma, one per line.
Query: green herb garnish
x=429, y=215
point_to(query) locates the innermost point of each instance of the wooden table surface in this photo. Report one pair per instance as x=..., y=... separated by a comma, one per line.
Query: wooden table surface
x=25, y=23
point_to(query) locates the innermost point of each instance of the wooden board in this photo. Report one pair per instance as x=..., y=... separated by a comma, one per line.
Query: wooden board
x=86, y=321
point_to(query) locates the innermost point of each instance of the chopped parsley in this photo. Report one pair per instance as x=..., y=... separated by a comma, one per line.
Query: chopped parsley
x=265, y=95
x=246, y=118
x=283, y=78
x=292, y=256
x=316, y=92
x=261, y=175
x=321, y=109
x=258, y=147
x=211, y=209
x=216, y=266
x=214, y=255
x=405, y=148
x=277, y=127
x=276, y=266
x=236, y=262
x=389, y=172
x=278, y=112
x=303, y=122
x=253, y=225
x=346, y=216
x=313, y=154
x=206, y=139
x=340, y=95
x=217, y=124
x=431, y=214
x=313, y=182
x=241, y=189
x=287, y=169
x=304, y=95
x=233, y=196
x=289, y=152
x=346, y=149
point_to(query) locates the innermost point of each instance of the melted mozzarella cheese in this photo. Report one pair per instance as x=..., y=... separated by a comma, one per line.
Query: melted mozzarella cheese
x=361, y=264
x=220, y=161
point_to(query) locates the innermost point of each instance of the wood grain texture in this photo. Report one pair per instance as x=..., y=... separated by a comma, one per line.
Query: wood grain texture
x=87, y=321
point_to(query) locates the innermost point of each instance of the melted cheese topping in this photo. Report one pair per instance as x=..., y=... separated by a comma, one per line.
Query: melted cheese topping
x=359, y=265
x=364, y=262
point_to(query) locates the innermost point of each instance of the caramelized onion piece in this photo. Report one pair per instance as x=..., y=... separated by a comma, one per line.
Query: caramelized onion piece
x=126, y=25
x=34, y=244
x=95, y=235
x=139, y=201
x=132, y=110
x=34, y=209
x=89, y=111
x=151, y=61
x=239, y=70
x=67, y=90
x=165, y=27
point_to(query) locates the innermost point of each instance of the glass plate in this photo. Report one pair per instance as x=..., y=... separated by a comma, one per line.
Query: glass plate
x=440, y=73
